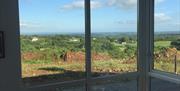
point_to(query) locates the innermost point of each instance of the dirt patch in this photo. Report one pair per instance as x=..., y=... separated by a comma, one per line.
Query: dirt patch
x=31, y=56
x=99, y=56
x=67, y=57
x=80, y=56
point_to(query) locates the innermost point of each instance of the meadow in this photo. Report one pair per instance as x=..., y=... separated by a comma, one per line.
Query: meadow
x=62, y=57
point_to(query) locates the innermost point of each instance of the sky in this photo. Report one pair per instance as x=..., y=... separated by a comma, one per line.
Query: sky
x=67, y=16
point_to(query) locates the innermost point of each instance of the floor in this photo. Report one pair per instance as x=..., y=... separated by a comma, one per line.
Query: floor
x=157, y=85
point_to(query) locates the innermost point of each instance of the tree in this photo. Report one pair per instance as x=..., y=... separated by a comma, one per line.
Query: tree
x=176, y=44
x=123, y=39
x=130, y=51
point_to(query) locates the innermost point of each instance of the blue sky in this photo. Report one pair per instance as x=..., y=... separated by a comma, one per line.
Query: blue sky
x=65, y=16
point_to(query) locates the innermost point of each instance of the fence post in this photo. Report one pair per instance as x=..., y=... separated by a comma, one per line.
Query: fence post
x=175, y=63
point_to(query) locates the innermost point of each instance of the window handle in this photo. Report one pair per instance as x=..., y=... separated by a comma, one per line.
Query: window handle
x=2, y=47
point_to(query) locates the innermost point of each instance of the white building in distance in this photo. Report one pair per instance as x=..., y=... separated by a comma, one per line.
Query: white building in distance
x=34, y=39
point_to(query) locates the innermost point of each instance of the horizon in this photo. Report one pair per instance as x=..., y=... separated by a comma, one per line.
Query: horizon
x=69, y=33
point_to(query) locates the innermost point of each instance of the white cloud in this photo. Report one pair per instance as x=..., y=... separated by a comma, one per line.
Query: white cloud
x=162, y=18
x=124, y=4
x=127, y=4
x=127, y=22
x=79, y=4
x=23, y=24
x=29, y=25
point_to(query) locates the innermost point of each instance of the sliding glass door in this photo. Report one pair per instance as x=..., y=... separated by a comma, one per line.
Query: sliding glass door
x=89, y=45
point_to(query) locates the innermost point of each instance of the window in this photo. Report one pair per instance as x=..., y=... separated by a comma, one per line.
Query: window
x=114, y=44
x=52, y=41
x=114, y=38
x=50, y=51
x=167, y=35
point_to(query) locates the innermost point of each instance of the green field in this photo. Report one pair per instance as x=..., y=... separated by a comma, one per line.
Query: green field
x=163, y=43
x=62, y=57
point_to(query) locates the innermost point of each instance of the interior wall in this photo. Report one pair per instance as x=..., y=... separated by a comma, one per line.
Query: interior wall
x=10, y=65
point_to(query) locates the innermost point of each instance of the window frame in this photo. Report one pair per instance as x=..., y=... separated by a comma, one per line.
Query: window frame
x=10, y=21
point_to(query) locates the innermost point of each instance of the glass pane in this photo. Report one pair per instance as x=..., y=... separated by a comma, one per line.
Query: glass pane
x=160, y=85
x=167, y=36
x=114, y=37
x=114, y=44
x=52, y=40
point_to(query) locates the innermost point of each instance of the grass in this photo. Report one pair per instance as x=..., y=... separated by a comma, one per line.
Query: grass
x=67, y=71
x=113, y=66
x=32, y=69
x=62, y=71
x=37, y=62
x=47, y=69
x=39, y=68
x=162, y=43
x=167, y=66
